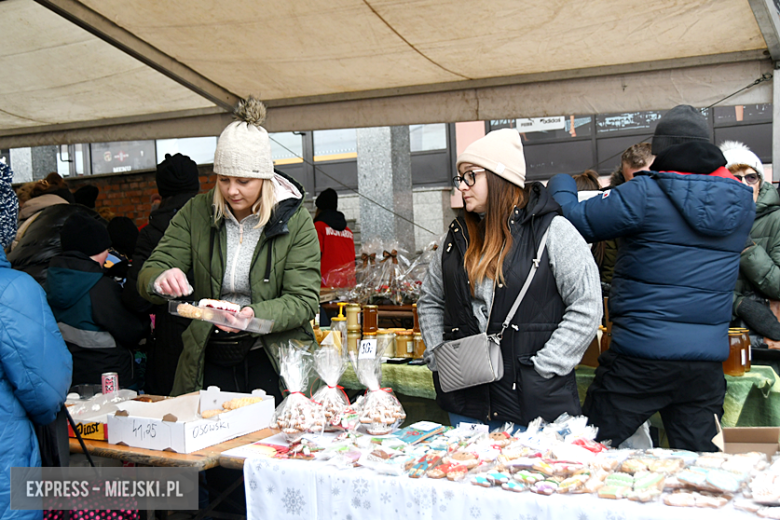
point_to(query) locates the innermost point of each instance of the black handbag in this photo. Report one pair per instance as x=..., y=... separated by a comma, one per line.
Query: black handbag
x=228, y=349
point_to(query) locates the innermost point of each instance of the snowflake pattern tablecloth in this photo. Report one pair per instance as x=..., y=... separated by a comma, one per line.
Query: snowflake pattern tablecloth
x=295, y=490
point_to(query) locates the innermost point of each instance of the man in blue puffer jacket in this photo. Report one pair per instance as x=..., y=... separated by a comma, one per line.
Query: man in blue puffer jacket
x=683, y=226
x=35, y=365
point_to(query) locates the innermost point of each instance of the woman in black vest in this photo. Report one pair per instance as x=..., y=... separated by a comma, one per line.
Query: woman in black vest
x=485, y=260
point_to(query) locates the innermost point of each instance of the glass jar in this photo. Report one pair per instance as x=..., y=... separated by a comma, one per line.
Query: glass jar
x=419, y=346
x=353, y=320
x=416, y=326
x=353, y=343
x=370, y=319
x=338, y=326
x=385, y=343
x=747, y=347
x=404, y=344
x=734, y=365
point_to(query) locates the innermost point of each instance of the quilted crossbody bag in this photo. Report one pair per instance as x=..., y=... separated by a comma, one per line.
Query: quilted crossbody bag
x=476, y=360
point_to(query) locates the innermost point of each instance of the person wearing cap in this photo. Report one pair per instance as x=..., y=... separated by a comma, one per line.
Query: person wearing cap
x=481, y=266
x=337, y=246
x=177, y=182
x=759, y=264
x=100, y=332
x=249, y=241
x=35, y=365
x=683, y=226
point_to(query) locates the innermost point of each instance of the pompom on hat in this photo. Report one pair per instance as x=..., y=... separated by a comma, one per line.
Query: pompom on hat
x=243, y=148
x=501, y=152
x=737, y=153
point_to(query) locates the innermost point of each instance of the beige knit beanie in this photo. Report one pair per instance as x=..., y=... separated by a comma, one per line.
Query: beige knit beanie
x=501, y=152
x=243, y=148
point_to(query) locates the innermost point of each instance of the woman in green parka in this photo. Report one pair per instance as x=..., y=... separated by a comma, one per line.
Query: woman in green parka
x=249, y=241
x=759, y=264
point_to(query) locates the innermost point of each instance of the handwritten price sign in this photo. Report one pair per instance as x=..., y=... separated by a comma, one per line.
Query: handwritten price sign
x=367, y=349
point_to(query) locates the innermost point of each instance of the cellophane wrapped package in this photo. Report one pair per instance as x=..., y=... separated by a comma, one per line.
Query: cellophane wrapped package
x=297, y=414
x=380, y=412
x=330, y=365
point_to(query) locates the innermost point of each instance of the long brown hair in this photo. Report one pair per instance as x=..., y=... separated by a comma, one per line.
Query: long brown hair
x=490, y=238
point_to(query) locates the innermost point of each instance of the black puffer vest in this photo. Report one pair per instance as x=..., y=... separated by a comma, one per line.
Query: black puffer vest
x=522, y=394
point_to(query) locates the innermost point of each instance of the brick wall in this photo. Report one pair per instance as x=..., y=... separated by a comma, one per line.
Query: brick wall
x=129, y=195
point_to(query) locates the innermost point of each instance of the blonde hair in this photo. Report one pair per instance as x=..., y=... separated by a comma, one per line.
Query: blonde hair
x=263, y=207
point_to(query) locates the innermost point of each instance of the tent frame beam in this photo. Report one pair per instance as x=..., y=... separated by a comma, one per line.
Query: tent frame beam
x=108, y=31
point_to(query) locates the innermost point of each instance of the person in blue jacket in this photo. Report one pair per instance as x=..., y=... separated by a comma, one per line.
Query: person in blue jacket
x=683, y=226
x=35, y=365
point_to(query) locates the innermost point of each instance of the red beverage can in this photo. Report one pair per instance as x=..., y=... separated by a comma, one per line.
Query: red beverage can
x=110, y=381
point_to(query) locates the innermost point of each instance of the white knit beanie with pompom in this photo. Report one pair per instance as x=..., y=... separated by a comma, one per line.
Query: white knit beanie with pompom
x=737, y=153
x=243, y=148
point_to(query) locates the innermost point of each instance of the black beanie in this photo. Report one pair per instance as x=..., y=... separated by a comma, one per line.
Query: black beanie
x=86, y=195
x=123, y=234
x=177, y=174
x=85, y=234
x=680, y=125
x=328, y=199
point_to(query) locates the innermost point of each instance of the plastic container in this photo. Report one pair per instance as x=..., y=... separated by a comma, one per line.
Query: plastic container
x=404, y=344
x=385, y=343
x=338, y=325
x=736, y=362
x=218, y=317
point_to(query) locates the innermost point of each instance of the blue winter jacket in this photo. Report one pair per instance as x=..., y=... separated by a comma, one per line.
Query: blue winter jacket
x=677, y=262
x=35, y=370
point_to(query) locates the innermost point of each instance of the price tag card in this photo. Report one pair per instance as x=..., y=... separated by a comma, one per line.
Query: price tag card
x=367, y=349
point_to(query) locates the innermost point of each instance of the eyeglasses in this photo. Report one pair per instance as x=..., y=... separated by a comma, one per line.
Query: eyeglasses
x=468, y=177
x=750, y=178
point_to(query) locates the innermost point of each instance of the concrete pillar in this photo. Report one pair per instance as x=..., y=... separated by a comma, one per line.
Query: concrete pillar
x=776, y=122
x=21, y=164
x=44, y=161
x=385, y=176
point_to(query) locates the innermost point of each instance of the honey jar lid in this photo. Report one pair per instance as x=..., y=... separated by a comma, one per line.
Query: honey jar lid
x=404, y=332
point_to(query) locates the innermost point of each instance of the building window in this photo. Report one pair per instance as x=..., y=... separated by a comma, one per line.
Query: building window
x=286, y=148
x=425, y=138
x=332, y=145
x=199, y=149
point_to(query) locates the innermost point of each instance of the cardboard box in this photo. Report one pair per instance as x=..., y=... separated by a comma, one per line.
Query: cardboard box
x=744, y=440
x=175, y=424
x=93, y=430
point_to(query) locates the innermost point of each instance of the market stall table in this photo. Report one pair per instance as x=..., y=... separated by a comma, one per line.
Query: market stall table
x=751, y=400
x=292, y=489
x=201, y=460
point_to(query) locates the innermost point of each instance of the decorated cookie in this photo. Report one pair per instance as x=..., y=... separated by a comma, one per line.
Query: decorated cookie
x=514, y=486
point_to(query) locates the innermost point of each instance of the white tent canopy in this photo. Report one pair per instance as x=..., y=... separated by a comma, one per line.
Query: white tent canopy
x=109, y=70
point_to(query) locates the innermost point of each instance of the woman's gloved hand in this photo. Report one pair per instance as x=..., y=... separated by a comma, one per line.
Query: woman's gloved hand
x=172, y=282
x=430, y=359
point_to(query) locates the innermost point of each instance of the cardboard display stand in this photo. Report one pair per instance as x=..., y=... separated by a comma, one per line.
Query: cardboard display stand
x=176, y=425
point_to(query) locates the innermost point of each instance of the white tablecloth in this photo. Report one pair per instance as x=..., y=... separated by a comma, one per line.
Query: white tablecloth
x=293, y=489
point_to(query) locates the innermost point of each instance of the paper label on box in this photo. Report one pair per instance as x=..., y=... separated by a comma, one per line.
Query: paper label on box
x=367, y=349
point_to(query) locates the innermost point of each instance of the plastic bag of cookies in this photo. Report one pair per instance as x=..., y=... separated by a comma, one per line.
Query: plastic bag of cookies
x=380, y=411
x=297, y=414
x=330, y=365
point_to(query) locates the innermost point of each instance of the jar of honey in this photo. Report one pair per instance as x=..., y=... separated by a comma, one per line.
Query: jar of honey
x=370, y=319
x=385, y=343
x=416, y=326
x=419, y=345
x=353, y=320
x=353, y=343
x=747, y=347
x=404, y=344
x=735, y=364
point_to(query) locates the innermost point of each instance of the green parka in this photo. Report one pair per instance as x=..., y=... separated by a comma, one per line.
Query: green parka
x=284, y=278
x=759, y=265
